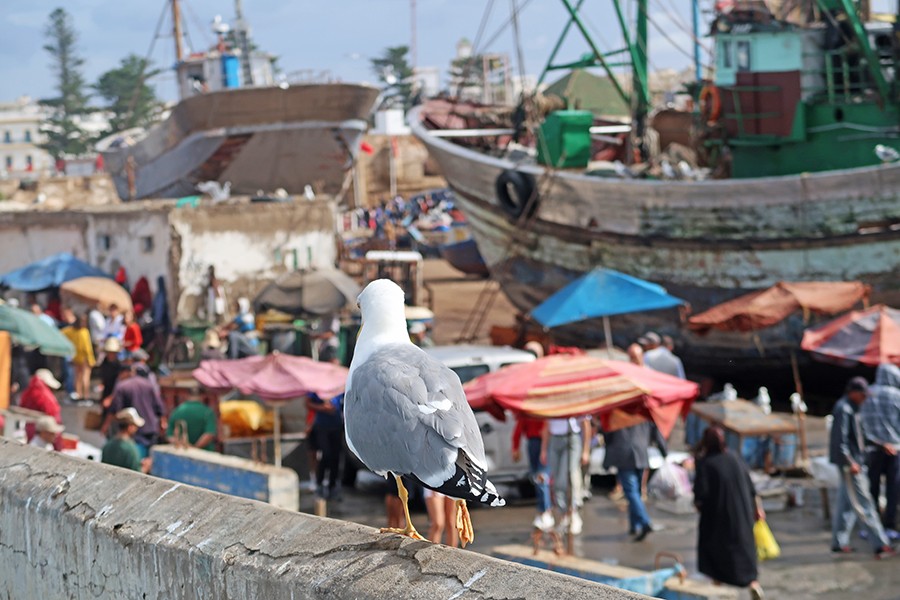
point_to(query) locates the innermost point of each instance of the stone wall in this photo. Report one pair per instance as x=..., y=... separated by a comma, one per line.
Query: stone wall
x=75, y=529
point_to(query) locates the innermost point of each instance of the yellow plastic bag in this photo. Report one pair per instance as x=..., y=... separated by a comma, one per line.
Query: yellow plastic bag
x=766, y=546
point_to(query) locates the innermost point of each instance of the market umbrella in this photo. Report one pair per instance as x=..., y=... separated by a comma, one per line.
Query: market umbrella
x=31, y=331
x=49, y=272
x=274, y=378
x=312, y=292
x=560, y=386
x=869, y=337
x=764, y=308
x=98, y=292
x=602, y=293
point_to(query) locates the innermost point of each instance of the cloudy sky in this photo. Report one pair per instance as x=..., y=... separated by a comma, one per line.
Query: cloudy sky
x=339, y=36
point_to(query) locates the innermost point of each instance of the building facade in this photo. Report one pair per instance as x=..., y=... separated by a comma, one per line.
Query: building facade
x=20, y=123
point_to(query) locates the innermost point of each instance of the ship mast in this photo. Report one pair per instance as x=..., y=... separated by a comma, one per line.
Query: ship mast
x=176, y=31
x=636, y=50
x=243, y=39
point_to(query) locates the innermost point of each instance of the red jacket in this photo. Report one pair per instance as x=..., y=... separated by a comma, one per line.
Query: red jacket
x=37, y=396
x=531, y=428
x=133, y=337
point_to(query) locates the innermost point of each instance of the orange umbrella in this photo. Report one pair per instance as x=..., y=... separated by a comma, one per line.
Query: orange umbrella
x=562, y=386
x=97, y=292
x=767, y=307
x=869, y=337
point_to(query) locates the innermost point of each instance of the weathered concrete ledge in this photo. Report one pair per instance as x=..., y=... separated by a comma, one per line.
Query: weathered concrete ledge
x=74, y=529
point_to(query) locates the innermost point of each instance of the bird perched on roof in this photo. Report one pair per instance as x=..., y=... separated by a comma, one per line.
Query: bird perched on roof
x=406, y=414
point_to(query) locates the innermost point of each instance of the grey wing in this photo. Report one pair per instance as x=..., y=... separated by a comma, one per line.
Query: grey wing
x=406, y=413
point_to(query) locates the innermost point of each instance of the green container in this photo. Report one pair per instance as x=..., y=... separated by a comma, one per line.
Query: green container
x=565, y=139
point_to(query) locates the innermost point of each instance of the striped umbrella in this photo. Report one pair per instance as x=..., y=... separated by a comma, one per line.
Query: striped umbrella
x=562, y=386
x=869, y=337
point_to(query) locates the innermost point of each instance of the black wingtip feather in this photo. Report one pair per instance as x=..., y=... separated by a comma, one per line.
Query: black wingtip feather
x=469, y=483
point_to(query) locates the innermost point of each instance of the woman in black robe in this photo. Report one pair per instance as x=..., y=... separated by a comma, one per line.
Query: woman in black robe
x=726, y=499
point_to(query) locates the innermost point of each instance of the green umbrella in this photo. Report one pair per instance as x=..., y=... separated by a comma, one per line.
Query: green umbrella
x=29, y=330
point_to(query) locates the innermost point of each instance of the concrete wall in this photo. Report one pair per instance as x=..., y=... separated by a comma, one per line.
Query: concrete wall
x=248, y=245
x=75, y=529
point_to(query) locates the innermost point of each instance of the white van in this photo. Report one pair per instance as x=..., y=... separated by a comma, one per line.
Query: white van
x=469, y=361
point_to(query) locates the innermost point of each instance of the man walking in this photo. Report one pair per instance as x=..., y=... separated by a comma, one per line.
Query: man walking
x=846, y=451
x=660, y=358
x=881, y=425
x=626, y=450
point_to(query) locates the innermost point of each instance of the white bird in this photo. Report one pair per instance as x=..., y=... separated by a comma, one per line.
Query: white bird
x=308, y=192
x=764, y=401
x=886, y=154
x=797, y=404
x=406, y=414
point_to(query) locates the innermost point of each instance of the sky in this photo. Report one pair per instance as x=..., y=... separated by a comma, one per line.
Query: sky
x=339, y=36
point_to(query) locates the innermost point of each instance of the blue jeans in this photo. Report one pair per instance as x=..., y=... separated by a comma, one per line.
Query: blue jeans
x=881, y=463
x=630, y=479
x=539, y=475
x=854, y=502
x=69, y=371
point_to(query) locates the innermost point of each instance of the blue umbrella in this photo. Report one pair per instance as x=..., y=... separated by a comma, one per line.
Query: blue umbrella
x=49, y=272
x=602, y=293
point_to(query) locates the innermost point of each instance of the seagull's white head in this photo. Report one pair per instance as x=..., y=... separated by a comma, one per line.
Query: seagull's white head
x=383, y=314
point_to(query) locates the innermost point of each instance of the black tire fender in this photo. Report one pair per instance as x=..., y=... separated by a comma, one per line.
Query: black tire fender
x=514, y=190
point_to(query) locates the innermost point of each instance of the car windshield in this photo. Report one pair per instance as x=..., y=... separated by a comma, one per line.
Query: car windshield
x=470, y=372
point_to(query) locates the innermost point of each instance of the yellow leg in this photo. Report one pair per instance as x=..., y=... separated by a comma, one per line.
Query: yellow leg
x=464, y=524
x=409, y=530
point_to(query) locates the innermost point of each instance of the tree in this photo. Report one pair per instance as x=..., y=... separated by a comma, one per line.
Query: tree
x=131, y=101
x=64, y=136
x=466, y=72
x=395, y=74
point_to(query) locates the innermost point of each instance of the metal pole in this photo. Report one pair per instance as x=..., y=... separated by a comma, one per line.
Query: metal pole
x=698, y=68
x=607, y=333
x=277, y=427
x=176, y=27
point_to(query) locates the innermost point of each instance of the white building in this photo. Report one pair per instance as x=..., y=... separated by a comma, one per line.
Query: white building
x=20, y=123
x=20, y=134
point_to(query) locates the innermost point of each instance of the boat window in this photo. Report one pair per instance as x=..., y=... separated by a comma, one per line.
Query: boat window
x=726, y=54
x=743, y=56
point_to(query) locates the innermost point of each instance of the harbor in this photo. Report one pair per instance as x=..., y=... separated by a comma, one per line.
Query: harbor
x=578, y=320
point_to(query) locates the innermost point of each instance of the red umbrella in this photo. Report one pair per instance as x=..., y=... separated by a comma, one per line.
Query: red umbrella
x=870, y=337
x=562, y=386
x=274, y=377
x=758, y=310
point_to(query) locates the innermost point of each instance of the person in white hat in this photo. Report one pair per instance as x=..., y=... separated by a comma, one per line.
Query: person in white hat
x=39, y=396
x=47, y=430
x=121, y=451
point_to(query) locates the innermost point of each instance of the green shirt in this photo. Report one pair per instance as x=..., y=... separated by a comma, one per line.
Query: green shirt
x=121, y=452
x=198, y=418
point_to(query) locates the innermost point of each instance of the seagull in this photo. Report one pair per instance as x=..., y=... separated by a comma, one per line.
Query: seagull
x=406, y=414
x=886, y=154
